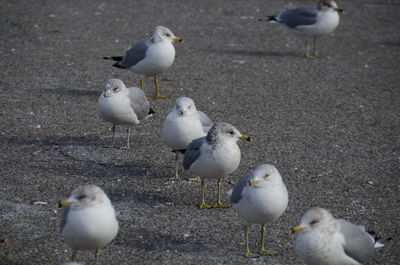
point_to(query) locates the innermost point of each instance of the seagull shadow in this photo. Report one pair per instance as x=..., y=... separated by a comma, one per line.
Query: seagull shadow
x=75, y=92
x=146, y=240
x=255, y=53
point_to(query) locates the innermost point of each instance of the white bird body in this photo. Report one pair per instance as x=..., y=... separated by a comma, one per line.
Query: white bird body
x=327, y=22
x=261, y=205
x=159, y=57
x=90, y=228
x=184, y=124
x=320, y=248
x=324, y=240
x=89, y=221
x=263, y=202
x=217, y=162
x=117, y=108
x=185, y=128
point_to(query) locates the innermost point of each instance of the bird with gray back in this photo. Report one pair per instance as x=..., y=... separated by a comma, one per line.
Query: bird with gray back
x=182, y=125
x=324, y=240
x=150, y=57
x=89, y=221
x=120, y=105
x=311, y=21
x=214, y=157
x=260, y=198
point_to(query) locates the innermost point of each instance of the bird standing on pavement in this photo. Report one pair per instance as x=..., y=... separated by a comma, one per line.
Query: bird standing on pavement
x=311, y=21
x=89, y=221
x=123, y=106
x=214, y=157
x=150, y=57
x=182, y=125
x=261, y=198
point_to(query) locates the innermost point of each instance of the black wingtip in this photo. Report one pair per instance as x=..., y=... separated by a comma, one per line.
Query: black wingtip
x=179, y=151
x=151, y=111
x=117, y=65
x=114, y=58
x=269, y=18
x=374, y=235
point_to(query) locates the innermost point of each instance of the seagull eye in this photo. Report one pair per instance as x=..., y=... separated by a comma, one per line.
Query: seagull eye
x=81, y=197
x=115, y=88
x=189, y=106
x=167, y=35
x=231, y=132
x=313, y=222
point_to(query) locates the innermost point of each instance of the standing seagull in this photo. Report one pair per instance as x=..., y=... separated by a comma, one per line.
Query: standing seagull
x=324, y=240
x=261, y=198
x=123, y=106
x=182, y=125
x=150, y=57
x=214, y=157
x=311, y=21
x=89, y=221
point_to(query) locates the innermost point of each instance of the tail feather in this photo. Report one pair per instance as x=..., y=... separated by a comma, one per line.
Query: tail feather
x=271, y=19
x=118, y=65
x=114, y=58
x=376, y=238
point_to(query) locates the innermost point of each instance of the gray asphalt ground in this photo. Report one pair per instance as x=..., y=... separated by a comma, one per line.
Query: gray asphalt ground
x=330, y=125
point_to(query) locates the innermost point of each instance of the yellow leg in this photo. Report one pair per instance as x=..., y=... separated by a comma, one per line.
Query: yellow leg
x=219, y=204
x=157, y=95
x=97, y=255
x=74, y=256
x=315, y=47
x=127, y=141
x=176, y=177
x=248, y=252
x=141, y=84
x=262, y=249
x=203, y=204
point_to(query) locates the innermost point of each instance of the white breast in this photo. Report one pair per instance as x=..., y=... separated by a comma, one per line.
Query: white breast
x=159, y=57
x=90, y=228
x=326, y=23
x=217, y=163
x=179, y=132
x=262, y=205
x=117, y=109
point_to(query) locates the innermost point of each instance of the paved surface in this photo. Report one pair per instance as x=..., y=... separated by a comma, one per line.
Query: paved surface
x=330, y=125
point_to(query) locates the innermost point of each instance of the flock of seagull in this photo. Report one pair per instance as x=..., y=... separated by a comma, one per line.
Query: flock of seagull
x=210, y=151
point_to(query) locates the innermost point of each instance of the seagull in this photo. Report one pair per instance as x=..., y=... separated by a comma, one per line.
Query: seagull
x=260, y=198
x=123, y=106
x=311, y=21
x=214, y=157
x=324, y=240
x=150, y=57
x=89, y=221
x=182, y=125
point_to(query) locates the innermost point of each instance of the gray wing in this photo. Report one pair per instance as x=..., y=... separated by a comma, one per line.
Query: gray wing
x=134, y=54
x=359, y=244
x=64, y=216
x=205, y=121
x=301, y=16
x=237, y=191
x=139, y=103
x=192, y=152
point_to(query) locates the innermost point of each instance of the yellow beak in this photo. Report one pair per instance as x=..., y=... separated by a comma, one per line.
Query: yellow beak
x=63, y=203
x=253, y=181
x=177, y=39
x=296, y=229
x=247, y=138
